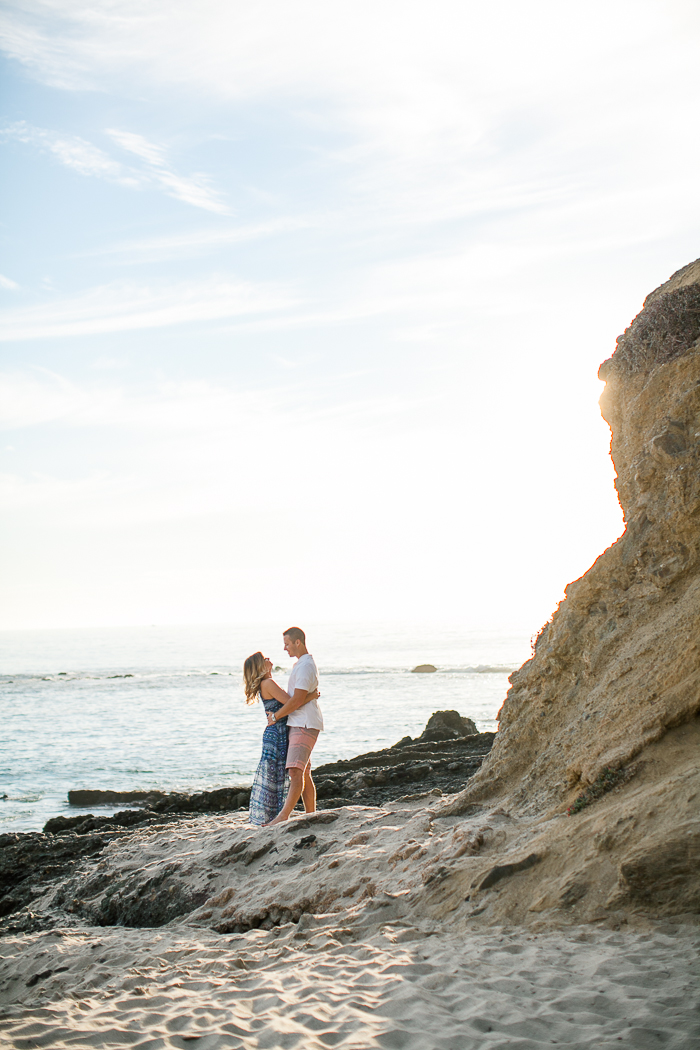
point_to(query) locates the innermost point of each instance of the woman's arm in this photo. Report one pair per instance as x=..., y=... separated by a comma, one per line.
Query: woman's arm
x=276, y=692
x=301, y=697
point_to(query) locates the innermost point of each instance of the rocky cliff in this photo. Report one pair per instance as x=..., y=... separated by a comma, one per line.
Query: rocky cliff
x=602, y=722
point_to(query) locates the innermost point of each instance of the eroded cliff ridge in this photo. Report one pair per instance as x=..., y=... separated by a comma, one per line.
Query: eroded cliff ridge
x=611, y=696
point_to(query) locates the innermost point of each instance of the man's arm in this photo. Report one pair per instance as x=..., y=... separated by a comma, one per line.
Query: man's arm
x=293, y=704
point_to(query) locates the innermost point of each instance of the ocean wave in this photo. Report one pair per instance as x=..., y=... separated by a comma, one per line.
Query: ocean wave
x=107, y=676
x=468, y=669
x=133, y=677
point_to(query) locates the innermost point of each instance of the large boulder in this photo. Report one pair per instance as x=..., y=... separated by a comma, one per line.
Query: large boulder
x=448, y=725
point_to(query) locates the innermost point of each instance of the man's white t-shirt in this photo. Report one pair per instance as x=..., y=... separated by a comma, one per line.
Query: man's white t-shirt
x=305, y=676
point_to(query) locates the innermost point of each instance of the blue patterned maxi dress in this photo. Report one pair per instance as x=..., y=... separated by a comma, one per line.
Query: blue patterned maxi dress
x=270, y=782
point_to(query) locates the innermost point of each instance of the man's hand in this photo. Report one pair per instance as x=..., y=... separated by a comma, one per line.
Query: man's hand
x=300, y=698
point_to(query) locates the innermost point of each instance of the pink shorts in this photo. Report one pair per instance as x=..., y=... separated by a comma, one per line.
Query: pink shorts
x=301, y=744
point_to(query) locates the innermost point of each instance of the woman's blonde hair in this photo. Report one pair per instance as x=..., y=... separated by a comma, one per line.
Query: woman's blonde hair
x=254, y=671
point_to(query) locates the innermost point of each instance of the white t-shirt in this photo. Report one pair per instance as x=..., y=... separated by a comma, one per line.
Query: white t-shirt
x=305, y=676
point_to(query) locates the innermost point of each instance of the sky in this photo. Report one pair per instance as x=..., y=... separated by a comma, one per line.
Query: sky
x=302, y=303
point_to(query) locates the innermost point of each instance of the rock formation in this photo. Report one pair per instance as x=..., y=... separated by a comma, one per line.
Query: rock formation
x=611, y=696
x=448, y=752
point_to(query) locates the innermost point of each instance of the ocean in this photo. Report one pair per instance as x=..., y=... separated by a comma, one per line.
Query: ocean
x=163, y=707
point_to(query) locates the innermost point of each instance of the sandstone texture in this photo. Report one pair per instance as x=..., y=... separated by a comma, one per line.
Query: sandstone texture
x=611, y=696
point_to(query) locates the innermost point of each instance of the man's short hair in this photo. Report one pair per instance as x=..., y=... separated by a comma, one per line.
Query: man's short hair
x=296, y=634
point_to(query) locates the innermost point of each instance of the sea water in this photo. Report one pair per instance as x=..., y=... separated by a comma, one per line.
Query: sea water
x=163, y=707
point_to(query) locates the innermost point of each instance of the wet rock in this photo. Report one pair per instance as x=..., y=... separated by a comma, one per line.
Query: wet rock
x=88, y=822
x=424, y=669
x=29, y=863
x=222, y=800
x=444, y=756
x=111, y=798
x=448, y=725
x=137, y=902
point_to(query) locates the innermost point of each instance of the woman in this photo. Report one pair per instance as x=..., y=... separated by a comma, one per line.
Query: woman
x=270, y=782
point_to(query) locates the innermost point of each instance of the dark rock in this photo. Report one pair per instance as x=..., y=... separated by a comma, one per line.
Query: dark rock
x=502, y=871
x=135, y=902
x=30, y=862
x=447, y=753
x=305, y=843
x=223, y=800
x=87, y=822
x=448, y=725
x=424, y=669
x=110, y=798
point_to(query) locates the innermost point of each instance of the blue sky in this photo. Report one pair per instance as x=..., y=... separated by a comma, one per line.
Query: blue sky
x=302, y=303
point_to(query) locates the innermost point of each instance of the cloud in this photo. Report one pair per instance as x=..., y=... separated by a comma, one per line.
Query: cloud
x=88, y=159
x=194, y=190
x=189, y=243
x=128, y=306
x=434, y=111
x=72, y=151
x=7, y=282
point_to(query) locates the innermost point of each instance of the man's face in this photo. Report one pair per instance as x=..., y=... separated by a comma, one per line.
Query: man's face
x=291, y=647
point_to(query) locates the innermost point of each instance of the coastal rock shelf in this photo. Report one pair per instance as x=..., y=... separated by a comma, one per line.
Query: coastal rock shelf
x=449, y=750
x=440, y=760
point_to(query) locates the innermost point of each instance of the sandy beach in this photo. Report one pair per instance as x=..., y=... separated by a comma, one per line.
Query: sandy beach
x=321, y=984
x=331, y=931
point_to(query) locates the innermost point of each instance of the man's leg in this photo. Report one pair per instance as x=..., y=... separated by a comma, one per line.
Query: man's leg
x=308, y=793
x=296, y=783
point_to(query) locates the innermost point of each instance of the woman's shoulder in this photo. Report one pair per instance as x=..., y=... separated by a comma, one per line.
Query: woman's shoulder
x=265, y=691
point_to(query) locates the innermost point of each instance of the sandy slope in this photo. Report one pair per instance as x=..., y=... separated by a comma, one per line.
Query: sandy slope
x=354, y=955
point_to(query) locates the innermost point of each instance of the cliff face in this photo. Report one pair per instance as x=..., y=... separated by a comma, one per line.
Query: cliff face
x=618, y=666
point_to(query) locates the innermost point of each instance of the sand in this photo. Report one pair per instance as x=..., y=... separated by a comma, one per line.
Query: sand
x=364, y=963
x=323, y=985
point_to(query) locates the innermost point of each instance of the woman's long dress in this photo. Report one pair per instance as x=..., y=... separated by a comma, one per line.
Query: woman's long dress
x=270, y=782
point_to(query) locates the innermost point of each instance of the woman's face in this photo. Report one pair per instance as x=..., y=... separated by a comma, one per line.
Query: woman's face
x=268, y=665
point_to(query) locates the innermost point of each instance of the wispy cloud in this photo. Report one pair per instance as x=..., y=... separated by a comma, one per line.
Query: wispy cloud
x=8, y=283
x=194, y=190
x=151, y=249
x=124, y=307
x=87, y=159
x=72, y=151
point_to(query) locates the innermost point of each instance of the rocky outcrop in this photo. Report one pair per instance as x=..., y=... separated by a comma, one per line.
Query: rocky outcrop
x=449, y=750
x=439, y=761
x=447, y=753
x=618, y=665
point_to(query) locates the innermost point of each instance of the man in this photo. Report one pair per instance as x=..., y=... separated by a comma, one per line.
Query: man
x=304, y=721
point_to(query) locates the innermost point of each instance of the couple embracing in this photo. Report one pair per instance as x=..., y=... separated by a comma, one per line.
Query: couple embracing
x=294, y=721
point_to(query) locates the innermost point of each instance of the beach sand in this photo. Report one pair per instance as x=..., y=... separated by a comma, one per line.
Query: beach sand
x=355, y=954
x=320, y=985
